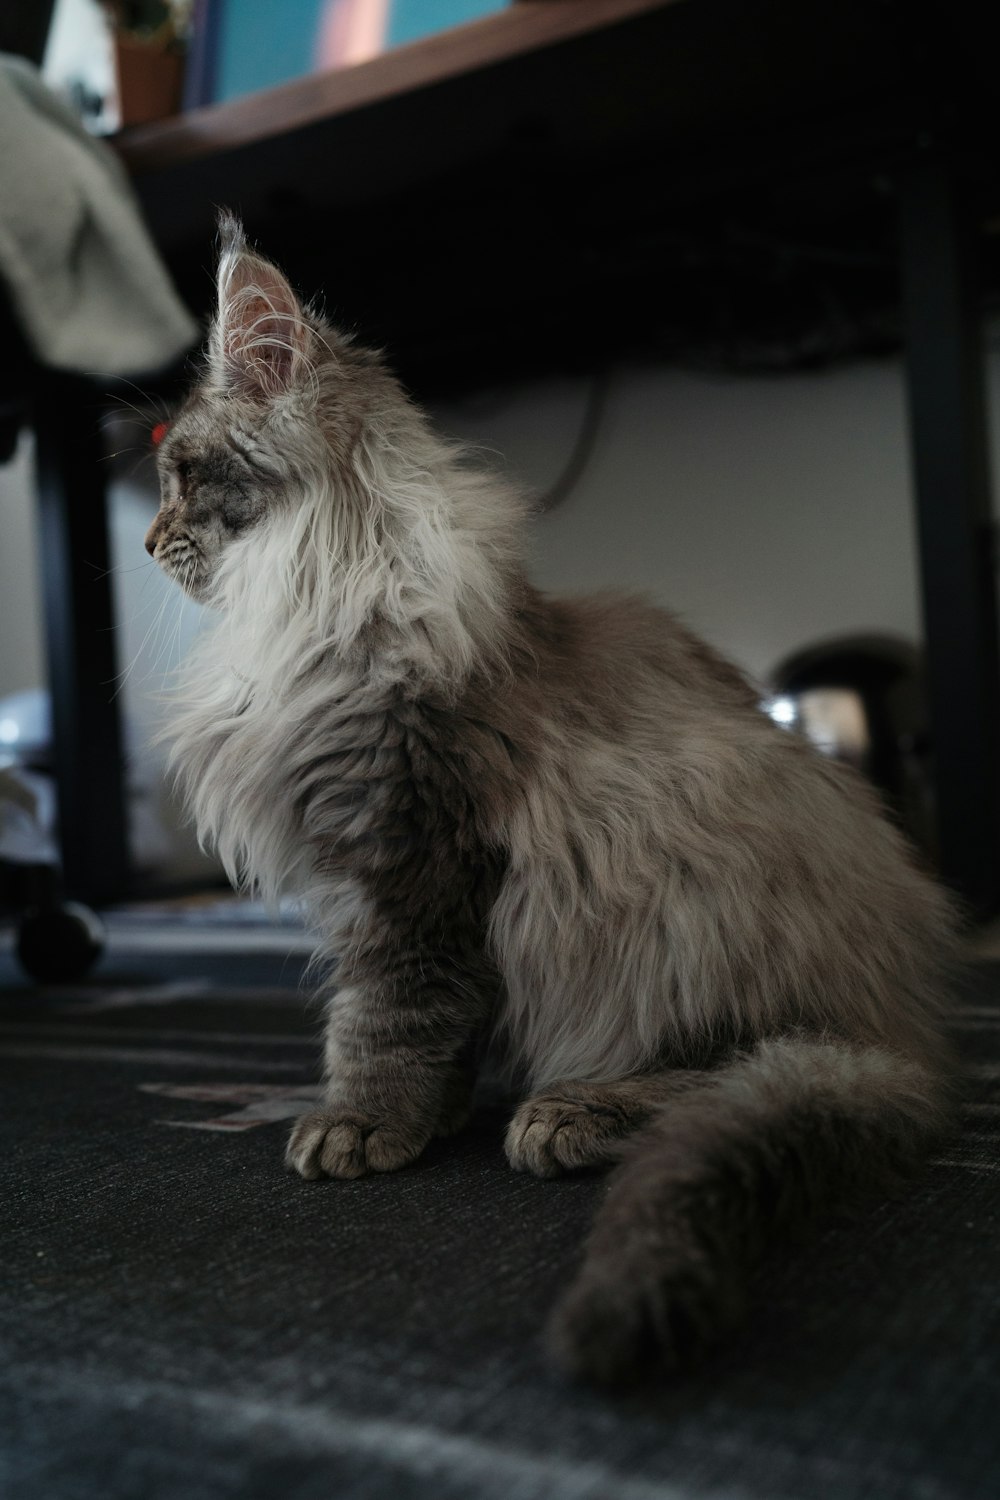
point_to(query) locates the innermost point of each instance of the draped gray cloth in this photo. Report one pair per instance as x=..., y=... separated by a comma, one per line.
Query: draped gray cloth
x=82, y=276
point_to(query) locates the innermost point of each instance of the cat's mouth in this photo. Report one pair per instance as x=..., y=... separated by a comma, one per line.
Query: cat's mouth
x=182, y=562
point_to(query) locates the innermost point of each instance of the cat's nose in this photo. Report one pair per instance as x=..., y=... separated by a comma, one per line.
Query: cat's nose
x=156, y=530
x=153, y=535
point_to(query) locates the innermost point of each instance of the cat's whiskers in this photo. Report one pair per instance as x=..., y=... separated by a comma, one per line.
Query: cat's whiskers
x=139, y=418
x=117, y=569
x=173, y=657
x=167, y=651
x=107, y=458
x=124, y=677
x=182, y=572
x=159, y=403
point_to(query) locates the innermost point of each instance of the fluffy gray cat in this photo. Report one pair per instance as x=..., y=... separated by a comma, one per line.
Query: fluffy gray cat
x=559, y=828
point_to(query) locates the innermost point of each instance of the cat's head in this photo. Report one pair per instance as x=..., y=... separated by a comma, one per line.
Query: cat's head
x=282, y=399
x=305, y=496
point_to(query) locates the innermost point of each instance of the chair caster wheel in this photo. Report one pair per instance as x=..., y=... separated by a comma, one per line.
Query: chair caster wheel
x=57, y=944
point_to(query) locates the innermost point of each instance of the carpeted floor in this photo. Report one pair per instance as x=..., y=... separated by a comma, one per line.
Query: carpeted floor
x=181, y=1318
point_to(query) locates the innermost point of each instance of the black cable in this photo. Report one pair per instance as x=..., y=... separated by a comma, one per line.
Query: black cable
x=583, y=448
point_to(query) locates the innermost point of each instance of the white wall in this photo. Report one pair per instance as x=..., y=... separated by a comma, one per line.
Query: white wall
x=21, y=656
x=768, y=512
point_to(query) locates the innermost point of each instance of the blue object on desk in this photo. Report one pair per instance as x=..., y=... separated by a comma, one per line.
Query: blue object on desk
x=410, y=19
x=239, y=48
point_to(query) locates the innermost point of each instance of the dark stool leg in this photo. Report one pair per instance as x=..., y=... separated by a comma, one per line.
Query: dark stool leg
x=945, y=379
x=79, y=620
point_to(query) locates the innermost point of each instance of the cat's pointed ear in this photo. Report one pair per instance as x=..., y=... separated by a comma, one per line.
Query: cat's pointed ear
x=260, y=338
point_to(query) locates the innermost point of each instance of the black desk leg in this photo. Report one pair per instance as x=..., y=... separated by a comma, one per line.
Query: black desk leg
x=79, y=619
x=945, y=378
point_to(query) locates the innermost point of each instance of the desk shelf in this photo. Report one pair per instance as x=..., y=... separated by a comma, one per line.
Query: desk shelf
x=572, y=179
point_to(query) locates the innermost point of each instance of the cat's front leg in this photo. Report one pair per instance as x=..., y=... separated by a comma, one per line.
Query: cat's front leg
x=398, y=1071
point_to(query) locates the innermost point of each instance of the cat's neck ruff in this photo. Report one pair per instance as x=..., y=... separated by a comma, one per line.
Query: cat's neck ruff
x=405, y=575
x=326, y=614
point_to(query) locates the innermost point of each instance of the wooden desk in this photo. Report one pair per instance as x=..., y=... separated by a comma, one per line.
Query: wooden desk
x=572, y=180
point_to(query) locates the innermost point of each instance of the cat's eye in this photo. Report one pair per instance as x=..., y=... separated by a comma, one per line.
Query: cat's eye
x=183, y=471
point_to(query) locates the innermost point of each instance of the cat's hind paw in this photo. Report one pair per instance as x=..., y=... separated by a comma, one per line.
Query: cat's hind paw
x=344, y=1143
x=558, y=1133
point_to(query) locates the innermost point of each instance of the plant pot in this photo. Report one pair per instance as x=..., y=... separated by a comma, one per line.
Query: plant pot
x=150, y=79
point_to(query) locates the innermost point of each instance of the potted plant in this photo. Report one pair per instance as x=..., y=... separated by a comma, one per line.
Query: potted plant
x=150, y=41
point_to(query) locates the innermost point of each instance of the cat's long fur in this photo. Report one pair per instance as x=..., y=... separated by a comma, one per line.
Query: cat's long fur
x=562, y=824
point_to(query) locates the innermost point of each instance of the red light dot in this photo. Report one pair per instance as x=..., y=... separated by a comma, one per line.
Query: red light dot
x=159, y=432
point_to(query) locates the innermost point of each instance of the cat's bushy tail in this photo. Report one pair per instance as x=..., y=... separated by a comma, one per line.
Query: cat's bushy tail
x=749, y=1154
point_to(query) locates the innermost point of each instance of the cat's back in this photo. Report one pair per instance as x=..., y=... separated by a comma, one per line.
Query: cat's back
x=655, y=741
x=614, y=662
x=665, y=805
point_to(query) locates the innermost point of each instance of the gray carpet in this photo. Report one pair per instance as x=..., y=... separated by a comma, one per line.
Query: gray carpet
x=181, y=1318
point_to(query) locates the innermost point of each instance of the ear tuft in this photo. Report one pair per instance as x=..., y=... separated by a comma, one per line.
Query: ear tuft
x=232, y=239
x=260, y=339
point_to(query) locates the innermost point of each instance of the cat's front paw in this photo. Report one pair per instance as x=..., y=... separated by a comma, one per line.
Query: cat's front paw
x=338, y=1142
